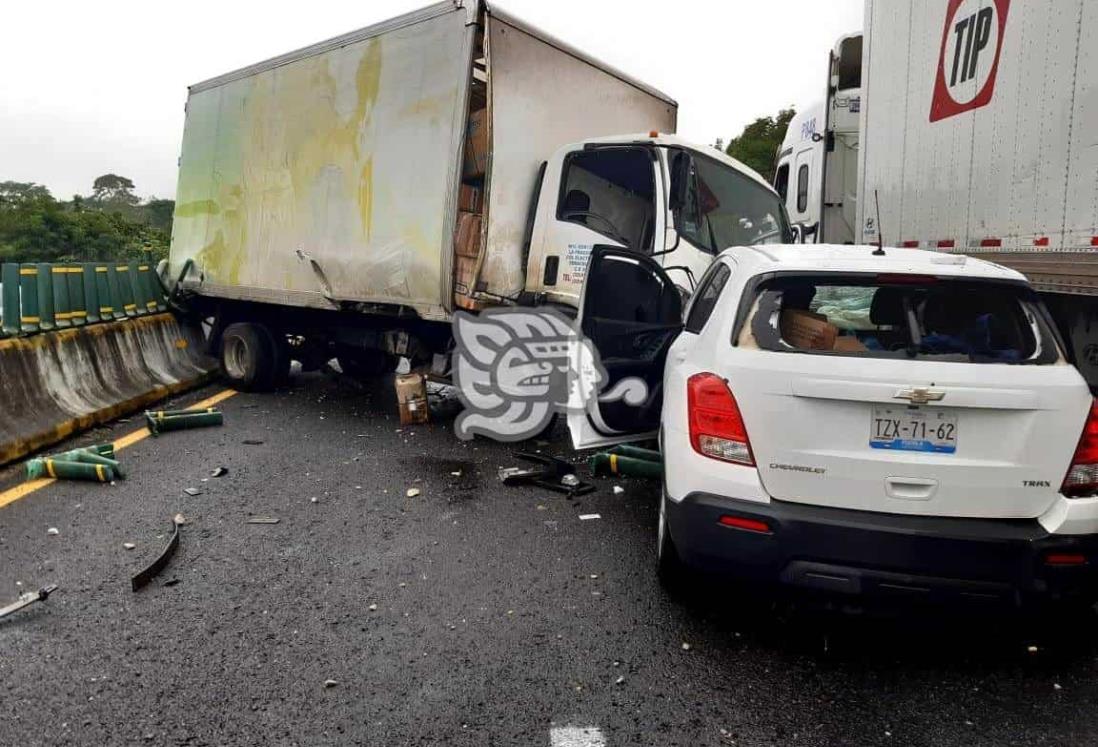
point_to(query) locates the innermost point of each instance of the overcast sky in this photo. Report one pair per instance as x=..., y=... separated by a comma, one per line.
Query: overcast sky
x=91, y=88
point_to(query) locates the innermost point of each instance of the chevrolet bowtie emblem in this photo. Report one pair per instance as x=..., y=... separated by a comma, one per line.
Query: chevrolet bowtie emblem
x=919, y=395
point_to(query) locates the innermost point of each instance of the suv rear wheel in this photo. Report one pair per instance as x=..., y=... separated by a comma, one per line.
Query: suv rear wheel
x=673, y=575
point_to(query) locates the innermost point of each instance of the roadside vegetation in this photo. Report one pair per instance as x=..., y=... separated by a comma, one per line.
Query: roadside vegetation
x=112, y=223
x=757, y=146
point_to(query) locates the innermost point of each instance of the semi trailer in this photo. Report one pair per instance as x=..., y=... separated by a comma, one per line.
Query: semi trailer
x=346, y=199
x=963, y=126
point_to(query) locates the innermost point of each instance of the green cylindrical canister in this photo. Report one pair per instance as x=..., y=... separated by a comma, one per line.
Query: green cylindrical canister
x=9, y=279
x=45, y=297
x=64, y=470
x=28, y=294
x=90, y=457
x=160, y=422
x=78, y=310
x=91, y=292
x=613, y=464
x=62, y=312
x=637, y=452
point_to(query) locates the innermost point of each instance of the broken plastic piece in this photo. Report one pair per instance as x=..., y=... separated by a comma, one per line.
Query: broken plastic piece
x=262, y=520
x=27, y=599
x=147, y=575
x=554, y=474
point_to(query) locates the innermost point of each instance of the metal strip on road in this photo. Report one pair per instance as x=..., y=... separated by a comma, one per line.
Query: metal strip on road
x=576, y=736
x=24, y=489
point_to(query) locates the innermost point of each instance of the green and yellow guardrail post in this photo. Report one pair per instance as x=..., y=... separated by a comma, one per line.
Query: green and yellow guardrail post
x=9, y=278
x=147, y=283
x=62, y=313
x=91, y=292
x=103, y=289
x=46, y=320
x=126, y=287
x=116, y=304
x=28, y=298
x=78, y=310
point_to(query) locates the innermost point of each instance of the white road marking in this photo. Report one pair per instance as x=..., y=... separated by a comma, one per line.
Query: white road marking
x=576, y=736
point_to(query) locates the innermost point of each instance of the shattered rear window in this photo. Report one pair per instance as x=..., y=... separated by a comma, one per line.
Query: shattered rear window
x=903, y=316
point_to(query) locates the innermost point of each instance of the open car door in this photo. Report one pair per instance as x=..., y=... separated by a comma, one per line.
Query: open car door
x=631, y=311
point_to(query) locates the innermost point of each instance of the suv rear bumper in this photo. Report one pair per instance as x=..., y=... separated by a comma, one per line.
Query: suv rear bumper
x=905, y=558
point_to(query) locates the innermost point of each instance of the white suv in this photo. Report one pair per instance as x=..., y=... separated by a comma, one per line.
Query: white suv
x=842, y=420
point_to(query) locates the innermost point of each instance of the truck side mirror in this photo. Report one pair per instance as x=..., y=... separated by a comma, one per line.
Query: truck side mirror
x=680, y=181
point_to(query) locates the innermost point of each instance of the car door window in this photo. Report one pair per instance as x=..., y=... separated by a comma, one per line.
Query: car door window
x=802, y=188
x=705, y=299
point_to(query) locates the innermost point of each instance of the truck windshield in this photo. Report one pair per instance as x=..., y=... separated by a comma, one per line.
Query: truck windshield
x=722, y=207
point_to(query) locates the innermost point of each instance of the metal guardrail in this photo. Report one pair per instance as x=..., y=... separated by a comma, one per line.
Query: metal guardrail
x=43, y=296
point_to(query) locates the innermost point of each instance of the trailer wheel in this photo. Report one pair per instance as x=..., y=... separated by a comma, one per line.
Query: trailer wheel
x=248, y=357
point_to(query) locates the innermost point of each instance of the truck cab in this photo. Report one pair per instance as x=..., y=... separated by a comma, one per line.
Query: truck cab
x=653, y=194
x=817, y=173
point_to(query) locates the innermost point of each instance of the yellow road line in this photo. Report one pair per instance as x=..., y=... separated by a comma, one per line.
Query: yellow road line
x=24, y=489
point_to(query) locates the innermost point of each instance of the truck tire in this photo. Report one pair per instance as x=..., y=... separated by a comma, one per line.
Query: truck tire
x=248, y=357
x=281, y=348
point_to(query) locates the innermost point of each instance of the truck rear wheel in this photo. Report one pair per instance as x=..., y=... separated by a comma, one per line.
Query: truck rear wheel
x=249, y=357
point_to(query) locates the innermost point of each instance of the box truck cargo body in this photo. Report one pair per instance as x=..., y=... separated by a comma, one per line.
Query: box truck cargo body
x=978, y=135
x=346, y=199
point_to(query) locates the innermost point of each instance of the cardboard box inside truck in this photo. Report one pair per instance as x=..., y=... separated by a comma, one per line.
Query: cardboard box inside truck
x=476, y=145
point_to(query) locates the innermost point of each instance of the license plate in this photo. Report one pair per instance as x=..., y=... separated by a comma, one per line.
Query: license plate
x=904, y=429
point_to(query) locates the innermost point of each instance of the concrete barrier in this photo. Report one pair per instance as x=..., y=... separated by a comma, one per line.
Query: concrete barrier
x=56, y=384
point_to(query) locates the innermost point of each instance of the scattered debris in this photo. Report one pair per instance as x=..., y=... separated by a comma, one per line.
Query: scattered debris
x=252, y=442
x=456, y=473
x=53, y=531
x=179, y=520
x=554, y=474
x=1056, y=686
x=618, y=490
x=220, y=472
x=170, y=582
x=686, y=646
x=412, y=492
x=192, y=491
x=162, y=421
x=128, y=545
x=590, y=517
x=619, y=680
x=331, y=683
x=262, y=520
x=28, y=598
x=147, y=575
x=314, y=499
x=1031, y=649
x=372, y=608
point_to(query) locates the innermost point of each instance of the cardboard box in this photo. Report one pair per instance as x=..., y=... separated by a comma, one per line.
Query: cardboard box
x=411, y=391
x=808, y=331
x=467, y=235
x=469, y=199
x=464, y=269
x=476, y=145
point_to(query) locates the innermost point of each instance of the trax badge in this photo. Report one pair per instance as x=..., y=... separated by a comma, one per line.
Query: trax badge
x=919, y=395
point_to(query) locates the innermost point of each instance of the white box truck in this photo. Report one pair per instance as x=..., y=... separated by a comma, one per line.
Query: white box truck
x=974, y=125
x=345, y=199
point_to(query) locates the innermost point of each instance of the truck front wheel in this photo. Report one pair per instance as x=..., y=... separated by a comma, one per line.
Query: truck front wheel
x=249, y=357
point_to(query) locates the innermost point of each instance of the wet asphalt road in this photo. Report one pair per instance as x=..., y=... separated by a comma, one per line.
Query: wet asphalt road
x=500, y=616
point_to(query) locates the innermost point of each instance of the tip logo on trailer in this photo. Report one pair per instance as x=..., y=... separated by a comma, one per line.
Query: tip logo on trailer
x=972, y=41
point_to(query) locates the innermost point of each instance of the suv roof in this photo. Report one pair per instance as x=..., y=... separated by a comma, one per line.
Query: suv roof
x=853, y=259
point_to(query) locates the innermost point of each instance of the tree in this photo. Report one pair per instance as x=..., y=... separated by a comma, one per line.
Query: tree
x=115, y=190
x=19, y=193
x=158, y=214
x=757, y=146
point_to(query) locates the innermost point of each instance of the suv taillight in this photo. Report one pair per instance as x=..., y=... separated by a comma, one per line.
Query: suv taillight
x=716, y=426
x=1082, y=476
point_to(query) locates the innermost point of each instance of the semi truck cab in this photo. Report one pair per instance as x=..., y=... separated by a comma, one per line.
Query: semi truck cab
x=655, y=194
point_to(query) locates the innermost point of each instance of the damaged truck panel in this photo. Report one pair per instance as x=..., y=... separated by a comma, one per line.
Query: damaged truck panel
x=330, y=174
x=545, y=95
